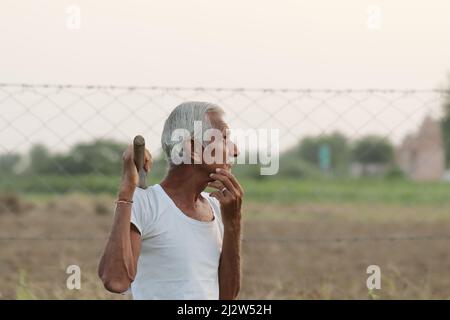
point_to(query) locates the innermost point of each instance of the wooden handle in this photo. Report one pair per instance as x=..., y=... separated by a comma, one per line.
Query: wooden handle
x=139, y=158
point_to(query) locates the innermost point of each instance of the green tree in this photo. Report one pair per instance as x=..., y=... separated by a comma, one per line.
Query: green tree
x=339, y=151
x=8, y=162
x=372, y=150
x=40, y=159
x=292, y=166
x=445, y=125
x=99, y=156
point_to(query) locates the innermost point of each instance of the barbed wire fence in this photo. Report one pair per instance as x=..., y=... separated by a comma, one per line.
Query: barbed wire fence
x=62, y=115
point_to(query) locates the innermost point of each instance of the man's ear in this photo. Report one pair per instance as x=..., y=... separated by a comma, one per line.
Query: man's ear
x=196, y=152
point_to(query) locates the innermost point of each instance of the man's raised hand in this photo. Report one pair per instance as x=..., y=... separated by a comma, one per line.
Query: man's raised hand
x=130, y=175
x=229, y=193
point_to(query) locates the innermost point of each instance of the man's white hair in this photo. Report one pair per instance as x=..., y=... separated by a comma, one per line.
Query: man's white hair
x=183, y=117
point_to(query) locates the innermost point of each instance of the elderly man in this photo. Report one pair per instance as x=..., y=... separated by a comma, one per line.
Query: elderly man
x=173, y=240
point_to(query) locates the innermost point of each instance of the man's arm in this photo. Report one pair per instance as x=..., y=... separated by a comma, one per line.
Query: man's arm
x=118, y=265
x=230, y=260
x=230, y=264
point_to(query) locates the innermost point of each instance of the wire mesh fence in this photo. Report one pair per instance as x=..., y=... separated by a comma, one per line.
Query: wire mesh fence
x=63, y=115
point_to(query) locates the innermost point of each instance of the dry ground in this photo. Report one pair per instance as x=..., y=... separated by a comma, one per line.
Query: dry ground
x=289, y=251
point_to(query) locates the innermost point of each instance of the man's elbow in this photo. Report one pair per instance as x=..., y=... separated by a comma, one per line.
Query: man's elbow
x=116, y=285
x=113, y=281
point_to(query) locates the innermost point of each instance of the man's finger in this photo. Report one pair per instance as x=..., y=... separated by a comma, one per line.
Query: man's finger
x=232, y=178
x=218, y=195
x=148, y=161
x=226, y=181
x=128, y=153
x=148, y=155
x=216, y=185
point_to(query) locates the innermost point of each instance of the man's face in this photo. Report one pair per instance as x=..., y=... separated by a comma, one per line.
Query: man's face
x=220, y=145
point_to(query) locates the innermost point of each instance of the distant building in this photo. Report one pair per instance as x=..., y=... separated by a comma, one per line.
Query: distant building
x=421, y=156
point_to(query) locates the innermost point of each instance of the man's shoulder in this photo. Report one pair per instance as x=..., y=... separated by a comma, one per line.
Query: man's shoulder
x=150, y=198
x=147, y=192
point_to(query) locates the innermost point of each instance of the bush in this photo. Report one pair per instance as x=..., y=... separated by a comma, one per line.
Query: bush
x=395, y=173
x=373, y=150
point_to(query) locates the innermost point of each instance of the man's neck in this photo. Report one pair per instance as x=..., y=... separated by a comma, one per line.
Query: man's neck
x=185, y=183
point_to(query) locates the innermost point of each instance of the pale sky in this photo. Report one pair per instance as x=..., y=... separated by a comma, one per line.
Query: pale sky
x=253, y=43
